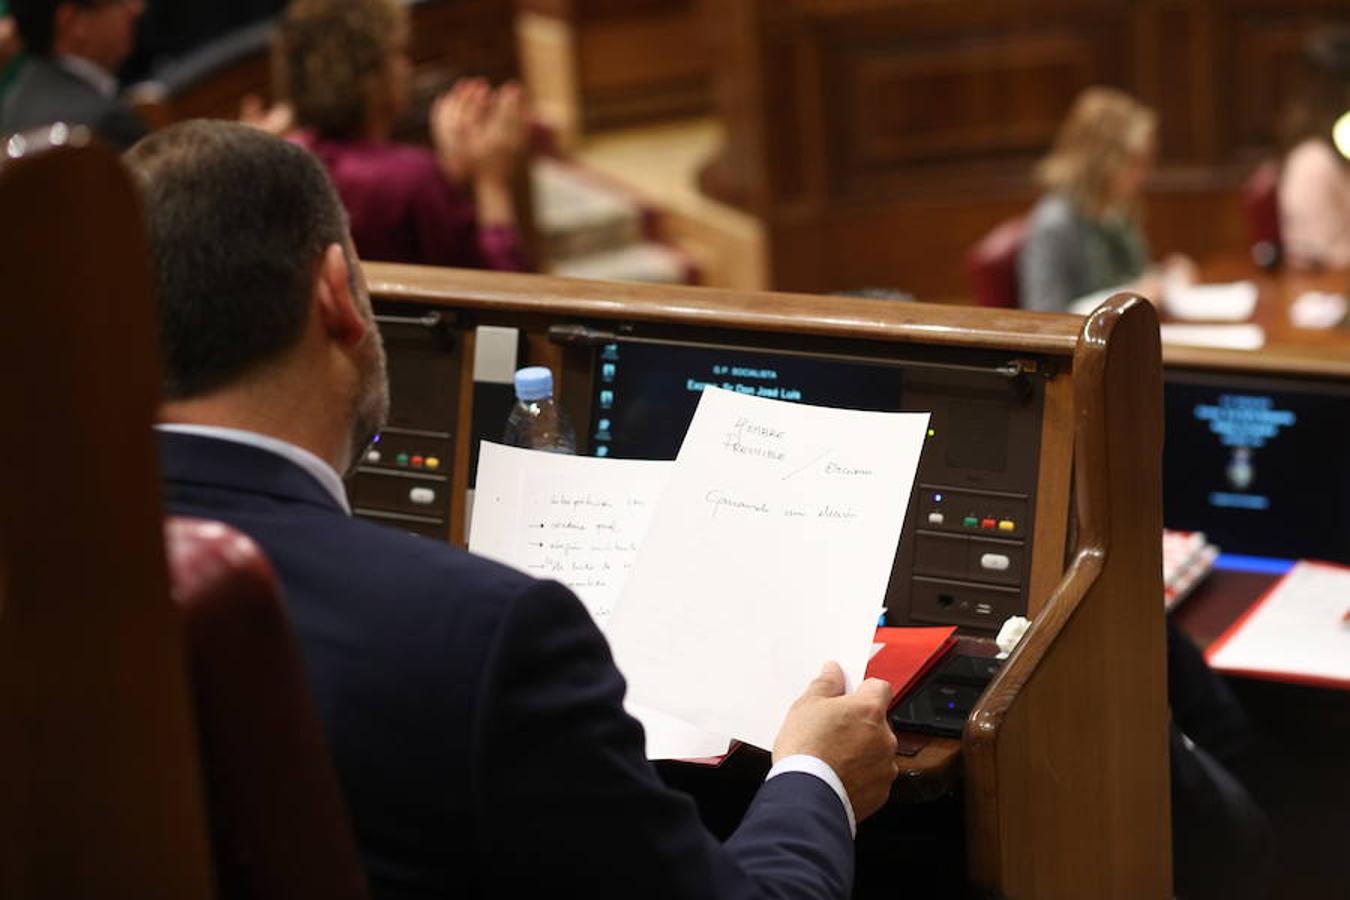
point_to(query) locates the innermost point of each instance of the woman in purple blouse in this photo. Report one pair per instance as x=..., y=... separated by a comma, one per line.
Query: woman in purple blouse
x=344, y=67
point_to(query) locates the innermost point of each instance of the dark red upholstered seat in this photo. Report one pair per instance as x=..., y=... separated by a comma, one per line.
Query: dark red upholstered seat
x=1261, y=208
x=279, y=826
x=991, y=265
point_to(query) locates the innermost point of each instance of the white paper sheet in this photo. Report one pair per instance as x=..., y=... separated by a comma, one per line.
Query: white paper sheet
x=579, y=521
x=1318, y=309
x=1227, y=337
x=572, y=519
x=1232, y=302
x=1299, y=630
x=769, y=555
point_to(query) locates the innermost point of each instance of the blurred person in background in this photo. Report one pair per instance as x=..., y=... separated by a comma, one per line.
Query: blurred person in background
x=11, y=49
x=1085, y=236
x=74, y=47
x=1315, y=177
x=344, y=68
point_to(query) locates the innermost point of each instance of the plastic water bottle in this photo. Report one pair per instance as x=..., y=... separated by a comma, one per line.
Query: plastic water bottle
x=536, y=421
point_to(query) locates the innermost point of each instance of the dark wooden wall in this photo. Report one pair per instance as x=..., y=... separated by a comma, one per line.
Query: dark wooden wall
x=449, y=39
x=620, y=62
x=878, y=139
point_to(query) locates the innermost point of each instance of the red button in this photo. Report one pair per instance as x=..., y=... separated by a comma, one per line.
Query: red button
x=984, y=523
x=417, y=461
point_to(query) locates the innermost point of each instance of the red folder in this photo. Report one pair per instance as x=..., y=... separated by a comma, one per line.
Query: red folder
x=909, y=653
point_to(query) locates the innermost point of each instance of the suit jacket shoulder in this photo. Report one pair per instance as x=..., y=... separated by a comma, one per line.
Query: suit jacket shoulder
x=44, y=93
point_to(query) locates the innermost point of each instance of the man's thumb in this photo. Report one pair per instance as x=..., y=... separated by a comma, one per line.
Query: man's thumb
x=829, y=683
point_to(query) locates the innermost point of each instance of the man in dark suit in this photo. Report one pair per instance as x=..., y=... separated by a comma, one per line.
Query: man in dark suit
x=75, y=46
x=475, y=715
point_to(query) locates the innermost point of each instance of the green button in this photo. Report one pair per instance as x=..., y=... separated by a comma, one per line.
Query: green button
x=970, y=522
x=401, y=459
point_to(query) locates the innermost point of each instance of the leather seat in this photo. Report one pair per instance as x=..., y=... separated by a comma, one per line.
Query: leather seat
x=991, y=265
x=279, y=827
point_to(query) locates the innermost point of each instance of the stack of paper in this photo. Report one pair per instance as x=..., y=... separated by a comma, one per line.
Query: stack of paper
x=1299, y=631
x=1187, y=558
x=1318, y=309
x=1233, y=302
x=768, y=553
x=1226, y=337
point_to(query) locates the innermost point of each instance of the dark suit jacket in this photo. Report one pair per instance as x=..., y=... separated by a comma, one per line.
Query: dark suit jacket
x=44, y=93
x=475, y=716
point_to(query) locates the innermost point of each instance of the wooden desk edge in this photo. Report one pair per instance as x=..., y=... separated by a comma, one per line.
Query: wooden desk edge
x=1329, y=361
x=882, y=320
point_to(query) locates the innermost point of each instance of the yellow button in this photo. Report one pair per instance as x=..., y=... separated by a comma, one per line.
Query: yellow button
x=433, y=462
x=1005, y=525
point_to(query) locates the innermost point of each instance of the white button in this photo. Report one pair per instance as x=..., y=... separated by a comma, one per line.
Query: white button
x=995, y=562
x=422, y=496
x=372, y=456
x=935, y=518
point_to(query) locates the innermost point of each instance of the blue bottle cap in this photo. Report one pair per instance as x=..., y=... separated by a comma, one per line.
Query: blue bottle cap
x=534, y=383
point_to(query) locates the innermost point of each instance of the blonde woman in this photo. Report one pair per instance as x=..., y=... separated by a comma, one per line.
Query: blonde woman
x=1084, y=234
x=344, y=68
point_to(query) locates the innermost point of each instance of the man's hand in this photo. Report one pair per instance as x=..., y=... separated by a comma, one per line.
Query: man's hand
x=848, y=732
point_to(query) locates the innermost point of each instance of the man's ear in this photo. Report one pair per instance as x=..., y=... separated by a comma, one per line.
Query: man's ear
x=338, y=313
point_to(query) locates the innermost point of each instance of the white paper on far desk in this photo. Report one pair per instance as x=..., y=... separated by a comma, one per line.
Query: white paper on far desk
x=1297, y=631
x=769, y=555
x=1232, y=302
x=1229, y=337
x=579, y=521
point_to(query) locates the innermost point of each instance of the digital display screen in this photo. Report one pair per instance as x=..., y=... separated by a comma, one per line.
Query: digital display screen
x=645, y=394
x=1260, y=466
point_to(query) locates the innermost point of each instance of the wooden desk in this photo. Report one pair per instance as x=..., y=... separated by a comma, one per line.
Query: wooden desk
x=1299, y=351
x=1218, y=602
x=1063, y=759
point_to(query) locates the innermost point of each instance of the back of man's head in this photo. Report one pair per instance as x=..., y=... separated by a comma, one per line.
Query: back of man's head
x=238, y=223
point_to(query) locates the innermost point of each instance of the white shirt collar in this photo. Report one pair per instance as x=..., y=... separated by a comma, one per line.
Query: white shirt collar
x=91, y=73
x=322, y=471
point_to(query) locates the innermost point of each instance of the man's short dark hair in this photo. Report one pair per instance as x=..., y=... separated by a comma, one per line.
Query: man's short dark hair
x=36, y=21
x=238, y=223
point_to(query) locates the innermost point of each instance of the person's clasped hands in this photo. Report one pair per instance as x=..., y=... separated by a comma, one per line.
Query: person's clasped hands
x=480, y=134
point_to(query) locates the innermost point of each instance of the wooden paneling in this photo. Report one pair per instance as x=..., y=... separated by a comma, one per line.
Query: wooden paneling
x=962, y=99
x=626, y=62
x=878, y=139
x=450, y=39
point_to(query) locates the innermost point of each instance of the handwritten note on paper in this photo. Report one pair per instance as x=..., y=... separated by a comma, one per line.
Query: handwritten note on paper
x=571, y=519
x=579, y=521
x=769, y=554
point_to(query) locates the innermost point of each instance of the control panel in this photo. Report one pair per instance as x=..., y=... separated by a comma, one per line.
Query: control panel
x=965, y=557
x=404, y=478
